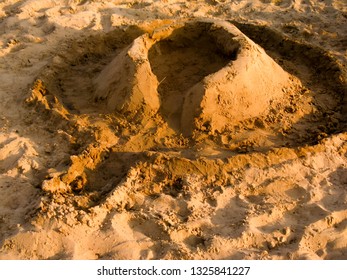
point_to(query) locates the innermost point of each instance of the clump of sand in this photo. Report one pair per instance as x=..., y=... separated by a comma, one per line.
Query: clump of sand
x=210, y=75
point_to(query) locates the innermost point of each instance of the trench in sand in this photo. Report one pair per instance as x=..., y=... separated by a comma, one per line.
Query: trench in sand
x=179, y=62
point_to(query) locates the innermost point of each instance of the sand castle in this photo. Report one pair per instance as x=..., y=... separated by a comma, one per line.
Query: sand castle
x=239, y=86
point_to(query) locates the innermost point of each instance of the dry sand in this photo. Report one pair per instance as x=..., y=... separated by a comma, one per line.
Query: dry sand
x=173, y=129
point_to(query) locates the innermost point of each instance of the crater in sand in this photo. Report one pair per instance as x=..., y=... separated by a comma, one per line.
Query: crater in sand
x=182, y=60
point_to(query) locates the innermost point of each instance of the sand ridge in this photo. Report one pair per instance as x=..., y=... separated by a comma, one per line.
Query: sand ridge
x=89, y=157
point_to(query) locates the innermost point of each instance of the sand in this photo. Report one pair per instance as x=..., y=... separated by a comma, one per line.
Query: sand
x=173, y=130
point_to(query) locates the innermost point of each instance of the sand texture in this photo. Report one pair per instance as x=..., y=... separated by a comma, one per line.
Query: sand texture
x=173, y=129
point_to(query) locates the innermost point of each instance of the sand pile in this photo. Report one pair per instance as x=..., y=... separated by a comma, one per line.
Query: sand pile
x=170, y=138
x=206, y=74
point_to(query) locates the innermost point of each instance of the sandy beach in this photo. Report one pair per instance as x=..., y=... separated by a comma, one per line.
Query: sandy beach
x=173, y=129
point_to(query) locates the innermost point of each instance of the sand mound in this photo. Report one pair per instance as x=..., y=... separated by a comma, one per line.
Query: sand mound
x=128, y=84
x=198, y=74
x=243, y=89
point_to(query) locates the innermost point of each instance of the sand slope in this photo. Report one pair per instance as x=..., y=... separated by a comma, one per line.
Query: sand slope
x=173, y=130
